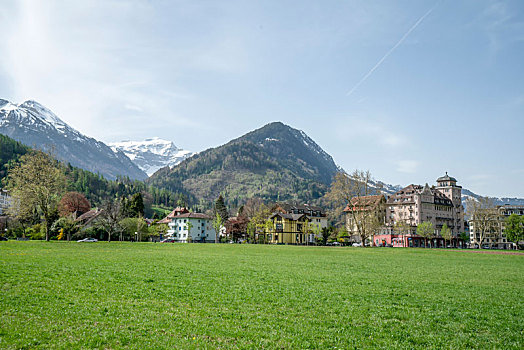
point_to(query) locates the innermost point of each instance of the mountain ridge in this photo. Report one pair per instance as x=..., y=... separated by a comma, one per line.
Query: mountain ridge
x=35, y=125
x=274, y=162
x=151, y=154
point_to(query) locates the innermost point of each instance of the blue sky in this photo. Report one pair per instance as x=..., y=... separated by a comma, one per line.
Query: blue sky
x=406, y=89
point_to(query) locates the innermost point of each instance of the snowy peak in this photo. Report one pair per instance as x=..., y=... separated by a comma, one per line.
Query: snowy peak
x=35, y=125
x=152, y=154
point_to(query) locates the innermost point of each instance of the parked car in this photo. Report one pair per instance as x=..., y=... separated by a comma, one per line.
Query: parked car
x=88, y=240
x=167, y=240
x=357, y=244
x=4, y=239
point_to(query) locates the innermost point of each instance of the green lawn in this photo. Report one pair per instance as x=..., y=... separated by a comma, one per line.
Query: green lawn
x=146, y=295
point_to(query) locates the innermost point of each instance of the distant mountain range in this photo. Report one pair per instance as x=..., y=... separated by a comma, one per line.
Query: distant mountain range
x=34, y=125
x=275, y=162
x=151, y=154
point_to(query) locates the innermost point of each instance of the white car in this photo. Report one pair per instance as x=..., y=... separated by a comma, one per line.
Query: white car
x=88, y=240
x=357, y=244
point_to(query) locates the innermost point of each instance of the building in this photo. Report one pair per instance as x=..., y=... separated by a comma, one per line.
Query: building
x=494, y=227
x=289, y=229
x=406, y=209
x=316, y=215
x=187, y=227
x=177, y=211
x=364, y=208
x=5, y=201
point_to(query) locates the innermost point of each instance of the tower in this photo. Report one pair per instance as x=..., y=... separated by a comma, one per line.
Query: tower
x=447, y=185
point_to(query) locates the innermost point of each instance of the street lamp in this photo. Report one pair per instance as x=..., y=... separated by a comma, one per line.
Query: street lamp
x=136, y=236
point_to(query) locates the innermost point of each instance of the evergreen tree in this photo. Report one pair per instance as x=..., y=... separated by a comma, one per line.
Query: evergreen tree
x=221, y=209
x=136, y=205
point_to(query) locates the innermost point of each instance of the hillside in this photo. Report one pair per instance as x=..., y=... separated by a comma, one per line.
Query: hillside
x=35, y=125
x=275, y=162
x=96, y=188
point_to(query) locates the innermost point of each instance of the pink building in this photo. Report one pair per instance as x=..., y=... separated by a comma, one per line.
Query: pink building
x=405, y=210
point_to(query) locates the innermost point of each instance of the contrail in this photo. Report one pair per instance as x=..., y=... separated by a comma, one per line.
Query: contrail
x=391, y=50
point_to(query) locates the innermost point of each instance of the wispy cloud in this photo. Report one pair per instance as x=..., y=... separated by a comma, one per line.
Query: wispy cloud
x=375, y=67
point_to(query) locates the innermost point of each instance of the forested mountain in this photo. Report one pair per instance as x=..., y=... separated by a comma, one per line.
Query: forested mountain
x=275, y=162
x=36, y=126
x=95, y=187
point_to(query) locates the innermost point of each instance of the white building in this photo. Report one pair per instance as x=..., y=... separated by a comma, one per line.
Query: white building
x=191, y=227
x=5, y=201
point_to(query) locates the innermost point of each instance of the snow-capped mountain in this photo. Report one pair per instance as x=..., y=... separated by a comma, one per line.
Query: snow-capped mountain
x=152, y=154
x=36, y=126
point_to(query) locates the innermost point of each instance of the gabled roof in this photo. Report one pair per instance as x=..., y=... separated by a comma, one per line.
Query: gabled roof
x=89, y=216
x=294, y=217
x=406, y=195
x=289, y=207
x=177, y=212
x=364, y=202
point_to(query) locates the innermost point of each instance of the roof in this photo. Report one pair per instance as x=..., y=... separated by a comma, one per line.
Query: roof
x=406, y=195
x=89, y=216
x=446, y=178
x=194, y=216
x=290, y=207
x=293, y=217
x=364, y=202
x=176, y=212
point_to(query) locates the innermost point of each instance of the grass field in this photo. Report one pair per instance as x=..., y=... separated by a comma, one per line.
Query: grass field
x=146, y=295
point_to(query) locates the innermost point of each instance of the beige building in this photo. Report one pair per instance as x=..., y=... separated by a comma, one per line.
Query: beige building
x=364, y=208
x=439, y=205
x=495, y=237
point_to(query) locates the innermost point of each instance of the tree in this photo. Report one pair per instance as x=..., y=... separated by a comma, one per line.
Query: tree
x=73, y=202
x=403, y=228
x=446, y=233
x=221, y=209
x=66, y=226
x=136, y=205
x=326, y=233
x=217, y=225
x=110, y=219
x=268, y=228
x=426, y=230
x=483, y=218
x=464, y=237
x=189, y=226
x=35, y=184
x=353, y=191
x=258, y=213
x=134, y=228
x=514, y=228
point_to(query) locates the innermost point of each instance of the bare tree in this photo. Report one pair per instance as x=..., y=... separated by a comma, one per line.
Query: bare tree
x=355, y=191
x=483, y=218
x=110, y=219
